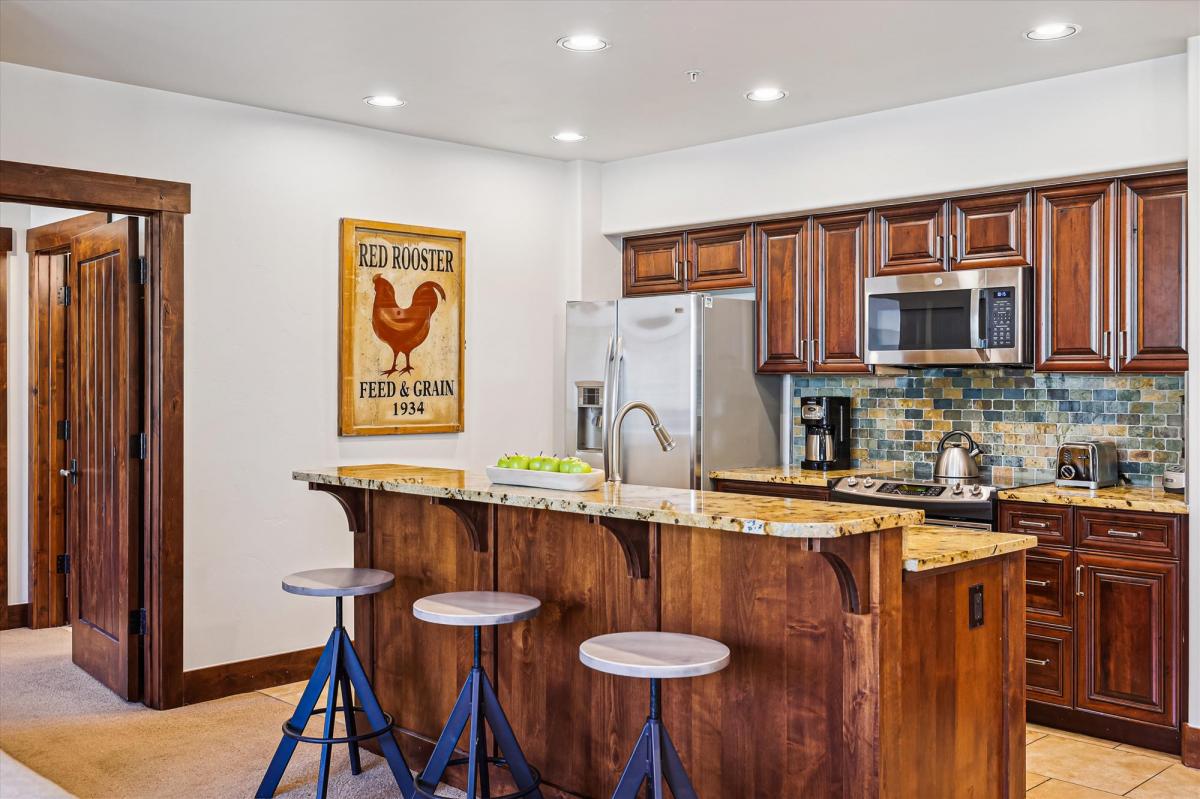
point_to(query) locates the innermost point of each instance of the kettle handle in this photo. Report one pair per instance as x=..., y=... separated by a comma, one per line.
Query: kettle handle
x=941, y=445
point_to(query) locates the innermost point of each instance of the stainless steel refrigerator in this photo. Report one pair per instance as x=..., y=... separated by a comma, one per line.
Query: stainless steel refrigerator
x=690, y=357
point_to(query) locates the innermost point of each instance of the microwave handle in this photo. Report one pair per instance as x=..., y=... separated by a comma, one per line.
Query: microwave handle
x=979, y=314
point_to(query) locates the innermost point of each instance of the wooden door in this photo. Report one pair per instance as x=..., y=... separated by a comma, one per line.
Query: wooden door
x=842, y=244
x=654, y=264
x=783, y=257
x=988, y=231
x=105, y=410
x=1073, y=278
x=1153, y=274
x=1128, y=637
x=720, y=258
x=910, y=238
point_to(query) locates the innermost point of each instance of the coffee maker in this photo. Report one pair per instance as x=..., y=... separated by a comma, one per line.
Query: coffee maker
x=826, y=432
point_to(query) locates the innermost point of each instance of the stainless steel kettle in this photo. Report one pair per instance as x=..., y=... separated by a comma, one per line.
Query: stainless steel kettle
x=956, y=460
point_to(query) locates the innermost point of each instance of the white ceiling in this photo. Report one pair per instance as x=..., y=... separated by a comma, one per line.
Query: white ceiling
x=489, y=73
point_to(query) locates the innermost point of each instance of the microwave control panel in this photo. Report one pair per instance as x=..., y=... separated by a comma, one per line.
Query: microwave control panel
x=1001, y=321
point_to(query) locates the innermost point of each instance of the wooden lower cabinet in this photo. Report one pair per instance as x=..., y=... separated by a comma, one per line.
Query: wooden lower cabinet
x=772, y=489
x=1105, y=610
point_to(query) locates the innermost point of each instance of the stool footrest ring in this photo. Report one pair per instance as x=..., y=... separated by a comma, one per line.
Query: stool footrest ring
x=425, y=793
x=299, y=735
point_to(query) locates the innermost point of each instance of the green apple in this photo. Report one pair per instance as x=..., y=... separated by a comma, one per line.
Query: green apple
x=518, y=462
x=566, y=463
x=503, y=463
x=550, y=463
x=579, y=467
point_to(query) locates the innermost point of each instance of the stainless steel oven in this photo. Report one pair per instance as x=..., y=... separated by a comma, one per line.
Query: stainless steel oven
x=963, y=318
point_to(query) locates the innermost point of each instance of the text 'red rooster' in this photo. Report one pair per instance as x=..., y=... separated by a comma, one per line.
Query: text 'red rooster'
x=403, y=329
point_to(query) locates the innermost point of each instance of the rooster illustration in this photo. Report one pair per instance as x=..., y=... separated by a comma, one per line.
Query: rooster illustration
x=403, y=329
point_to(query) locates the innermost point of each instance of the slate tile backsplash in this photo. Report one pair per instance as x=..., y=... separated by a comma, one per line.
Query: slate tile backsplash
x=1018, y=417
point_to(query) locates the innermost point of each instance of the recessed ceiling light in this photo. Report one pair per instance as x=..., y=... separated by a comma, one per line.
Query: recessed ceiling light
x=1053, y=30
x=767, y=94
x=383, y=101
x=569, y=136
x=583, y=43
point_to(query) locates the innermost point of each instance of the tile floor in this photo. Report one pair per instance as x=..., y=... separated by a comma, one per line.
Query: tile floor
x=1059, y=764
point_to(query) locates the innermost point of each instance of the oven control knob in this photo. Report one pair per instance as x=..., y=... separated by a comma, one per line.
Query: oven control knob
x=976, y=491
x=852, y=481
x=868, y=482
x=957, y=489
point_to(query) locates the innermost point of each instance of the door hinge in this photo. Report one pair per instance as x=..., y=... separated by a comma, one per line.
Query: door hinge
x=137, y=446
x=141, y=272
x=64, y=295
x=64, y=430
x=63, y=565
x=137, y=622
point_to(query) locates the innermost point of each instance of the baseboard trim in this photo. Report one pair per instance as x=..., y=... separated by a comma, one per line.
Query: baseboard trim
x=239, y=677
x=15, y=616
x=1191, y=746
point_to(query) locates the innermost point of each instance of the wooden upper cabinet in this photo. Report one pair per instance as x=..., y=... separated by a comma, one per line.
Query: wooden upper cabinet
x=1153, y=274
x=910, y=238
x=720, y=258
x=783, y=258
x=654, y=264
x=842, y=252
x=988, y=231
x=1073, y=278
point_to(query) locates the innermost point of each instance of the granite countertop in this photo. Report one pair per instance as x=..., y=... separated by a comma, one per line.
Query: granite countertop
x=794, y=475
x=1153, y=500
x=930, y=546
x=789, y=518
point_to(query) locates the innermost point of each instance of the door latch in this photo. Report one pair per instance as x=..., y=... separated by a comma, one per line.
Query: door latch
x=72, y=473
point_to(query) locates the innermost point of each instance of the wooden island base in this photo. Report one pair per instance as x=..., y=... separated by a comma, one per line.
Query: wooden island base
x=849, y=677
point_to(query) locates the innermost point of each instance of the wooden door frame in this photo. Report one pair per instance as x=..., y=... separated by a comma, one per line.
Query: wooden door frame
x=10, y=615
x=164, y=204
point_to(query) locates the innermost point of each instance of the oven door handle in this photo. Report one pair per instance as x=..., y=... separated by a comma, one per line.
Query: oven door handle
x=978, y=319
x=982, y=527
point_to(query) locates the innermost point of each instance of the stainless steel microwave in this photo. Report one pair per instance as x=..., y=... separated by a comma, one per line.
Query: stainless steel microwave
x=970, y=317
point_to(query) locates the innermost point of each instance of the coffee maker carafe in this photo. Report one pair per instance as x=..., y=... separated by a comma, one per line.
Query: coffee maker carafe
x=826, y=432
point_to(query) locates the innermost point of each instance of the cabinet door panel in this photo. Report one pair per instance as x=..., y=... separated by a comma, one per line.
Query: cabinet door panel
x=1049, y=593
x=654, y=264
x=1154, y=274
x=1049, y=667
x=1128, y=638
x=842, y=251
x=910, y=238
x=1073, y=278
x=989, y=231
x=783, y=257
x=720, y=258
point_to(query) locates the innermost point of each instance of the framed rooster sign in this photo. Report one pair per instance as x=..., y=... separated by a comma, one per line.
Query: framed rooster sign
x=402, y=322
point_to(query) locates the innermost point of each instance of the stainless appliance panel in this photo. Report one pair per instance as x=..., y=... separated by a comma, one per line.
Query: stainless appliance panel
x=953, y=300
x=738, y=416
x=658, y=363
x=591, y=329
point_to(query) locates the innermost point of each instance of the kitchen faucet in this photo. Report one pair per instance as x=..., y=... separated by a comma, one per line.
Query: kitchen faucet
x=614, y=440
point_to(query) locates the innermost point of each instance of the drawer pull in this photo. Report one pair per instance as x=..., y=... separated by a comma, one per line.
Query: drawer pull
x=1036, y=662
x=1038, y=583
x=1078, y=581
x=1029, y=523
x=1125, y=533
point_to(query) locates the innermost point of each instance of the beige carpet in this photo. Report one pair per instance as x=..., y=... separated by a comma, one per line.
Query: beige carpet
x=65, y=726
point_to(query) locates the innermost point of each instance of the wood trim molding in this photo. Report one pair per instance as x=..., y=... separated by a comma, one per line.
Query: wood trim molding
x=15, y=616
x=77, y=188
x=1191, y=746
x=6, y=239
x=241, y=676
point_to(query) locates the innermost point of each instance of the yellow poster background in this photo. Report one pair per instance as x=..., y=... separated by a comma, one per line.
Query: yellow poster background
x=402, y=324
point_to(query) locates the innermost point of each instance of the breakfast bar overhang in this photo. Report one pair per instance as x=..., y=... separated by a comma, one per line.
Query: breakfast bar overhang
x=871, y=656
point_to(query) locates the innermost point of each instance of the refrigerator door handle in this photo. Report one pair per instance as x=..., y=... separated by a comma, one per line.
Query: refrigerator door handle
x=612, y=382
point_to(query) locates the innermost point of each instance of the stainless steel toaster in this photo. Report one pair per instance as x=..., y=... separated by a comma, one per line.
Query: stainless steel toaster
x=1087, y=464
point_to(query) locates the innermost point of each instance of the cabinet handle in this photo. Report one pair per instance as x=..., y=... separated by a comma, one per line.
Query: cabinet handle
x=1123, y=343
x=1125, y=533
x=1038, y=583
x=1031, y=523
x=812, y=350
x=940, y=239
x=955, y=255
x=1105, y=349
x=1036, y=662
x=1078, y=581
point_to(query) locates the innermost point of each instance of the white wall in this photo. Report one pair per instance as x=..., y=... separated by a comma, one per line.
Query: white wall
x=17, y=217
x=261, y=250
x=1122, y=117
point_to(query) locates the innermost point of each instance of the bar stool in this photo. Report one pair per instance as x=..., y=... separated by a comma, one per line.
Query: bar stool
x=477, y=702
x=655, y=656
x=340, y=667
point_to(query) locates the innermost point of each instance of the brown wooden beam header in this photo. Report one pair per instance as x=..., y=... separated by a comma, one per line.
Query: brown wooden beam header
x=76, y=188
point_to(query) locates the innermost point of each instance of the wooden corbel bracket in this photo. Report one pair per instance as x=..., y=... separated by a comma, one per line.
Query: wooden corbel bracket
x=474, y=518
x=634, y=538
x=352, y=500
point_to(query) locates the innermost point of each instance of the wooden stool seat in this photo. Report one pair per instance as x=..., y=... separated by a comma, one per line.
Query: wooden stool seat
x=476, y=608
x=338, y=582
x=654, y=655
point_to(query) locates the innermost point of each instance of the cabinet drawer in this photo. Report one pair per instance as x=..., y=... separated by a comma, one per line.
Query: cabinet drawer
x=1048, y=586
x=1151, y=534
x=1049, y=667
x=1050, y=523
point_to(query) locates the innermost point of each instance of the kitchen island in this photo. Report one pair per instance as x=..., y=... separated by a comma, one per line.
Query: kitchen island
x=859, y=669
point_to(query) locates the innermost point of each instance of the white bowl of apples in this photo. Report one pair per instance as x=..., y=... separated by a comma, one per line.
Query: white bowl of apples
x=545, y=471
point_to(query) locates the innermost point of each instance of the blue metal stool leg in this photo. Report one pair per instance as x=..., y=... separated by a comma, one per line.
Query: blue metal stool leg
x=351, y=726
x=283, y=753
x=635, y=768
x=330, y=715
x=677, y=778
x=654, y=757
x=505, y=739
